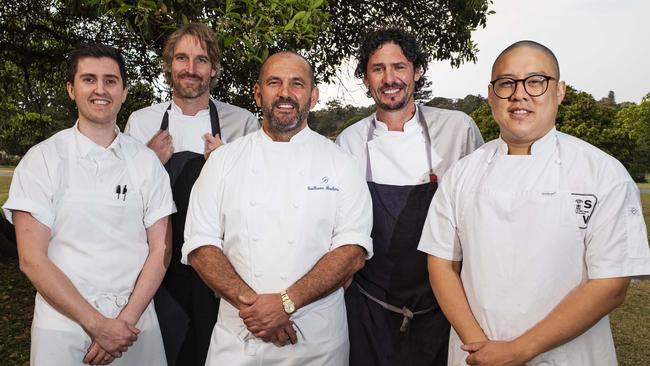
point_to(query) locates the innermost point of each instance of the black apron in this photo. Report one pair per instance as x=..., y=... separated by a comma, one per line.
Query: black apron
x=396, y=279
x=186, y=307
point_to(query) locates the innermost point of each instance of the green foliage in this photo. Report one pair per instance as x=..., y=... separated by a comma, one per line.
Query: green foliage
x=35, y=36
x=485, y=122
x=335, y=118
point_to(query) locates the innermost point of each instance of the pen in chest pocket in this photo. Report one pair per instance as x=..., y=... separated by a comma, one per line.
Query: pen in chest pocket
x=121, y=190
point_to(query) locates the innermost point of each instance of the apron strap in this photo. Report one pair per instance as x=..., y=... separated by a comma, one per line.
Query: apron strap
x=406, y=312
x=214, y=119
x=165, y=120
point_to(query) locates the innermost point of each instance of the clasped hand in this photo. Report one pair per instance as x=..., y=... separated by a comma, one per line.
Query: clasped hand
x=265, y=318
x=111, y=338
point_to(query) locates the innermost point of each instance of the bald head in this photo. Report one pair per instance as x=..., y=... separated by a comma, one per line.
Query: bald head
x=286, y=54
x=533, y=45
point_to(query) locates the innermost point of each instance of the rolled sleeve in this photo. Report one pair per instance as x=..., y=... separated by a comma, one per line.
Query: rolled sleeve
x=160, y=202
x=353, y=222
x=31, y=188
x=616, y=240
x=439, y=235
x=203, y=223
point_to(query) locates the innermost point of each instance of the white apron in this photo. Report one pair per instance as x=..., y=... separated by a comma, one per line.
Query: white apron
x=100, y=243
x=523, y=252
x=270, y=191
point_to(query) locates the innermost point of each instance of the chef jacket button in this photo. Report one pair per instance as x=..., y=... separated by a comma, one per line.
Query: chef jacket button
x=302, y=172
x=253, y=203
x=295, y=204
x=254, y=238
x=283, y=276
x=290, y=241
x=258, y=274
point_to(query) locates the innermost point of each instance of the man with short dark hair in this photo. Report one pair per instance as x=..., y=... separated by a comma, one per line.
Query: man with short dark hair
x=277, y=222
x=549, y=230
x=403, y=149
x=90, y=206
x=183, y=133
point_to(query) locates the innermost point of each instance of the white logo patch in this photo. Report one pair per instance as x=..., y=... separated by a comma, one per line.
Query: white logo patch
x=584, y=205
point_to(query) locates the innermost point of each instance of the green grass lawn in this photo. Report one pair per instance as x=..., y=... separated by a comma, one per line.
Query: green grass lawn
x=630, y=322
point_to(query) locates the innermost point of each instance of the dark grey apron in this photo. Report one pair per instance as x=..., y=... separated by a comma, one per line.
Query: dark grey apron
x=187, y=308
x=393, y=317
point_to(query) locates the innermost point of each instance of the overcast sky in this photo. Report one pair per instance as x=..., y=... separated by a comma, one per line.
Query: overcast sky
x=601, y=45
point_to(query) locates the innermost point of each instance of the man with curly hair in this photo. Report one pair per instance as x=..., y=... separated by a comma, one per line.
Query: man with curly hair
x=403, y=148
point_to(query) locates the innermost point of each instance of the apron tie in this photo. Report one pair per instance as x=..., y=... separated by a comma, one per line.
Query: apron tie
x=406, y=312
x=118, y=299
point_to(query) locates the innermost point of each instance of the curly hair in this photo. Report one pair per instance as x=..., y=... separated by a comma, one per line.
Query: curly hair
x=405, y=40
x=205, y=36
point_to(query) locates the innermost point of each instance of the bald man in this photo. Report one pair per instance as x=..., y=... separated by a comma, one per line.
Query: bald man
x=278, y=221
x=549, y=230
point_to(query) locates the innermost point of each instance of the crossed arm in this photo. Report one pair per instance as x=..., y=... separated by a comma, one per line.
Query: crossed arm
x=263, y=314
x=575, y=314
x=111, y=337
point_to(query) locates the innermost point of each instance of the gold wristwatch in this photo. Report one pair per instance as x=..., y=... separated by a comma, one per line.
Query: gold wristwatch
x=287, y=304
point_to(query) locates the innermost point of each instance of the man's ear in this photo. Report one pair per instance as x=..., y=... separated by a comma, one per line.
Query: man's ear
x=561, y=91
x=418, y=74
x=70, y=88
x=315, y=93
x=257, y=94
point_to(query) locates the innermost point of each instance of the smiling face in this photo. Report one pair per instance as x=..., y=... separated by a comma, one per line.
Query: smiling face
x=390, y=77
x=523, y=119
x=191, y=69
x=97, y=90
x=285, y=92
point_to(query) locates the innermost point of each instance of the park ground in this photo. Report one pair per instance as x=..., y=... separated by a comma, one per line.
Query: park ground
x=630, y=322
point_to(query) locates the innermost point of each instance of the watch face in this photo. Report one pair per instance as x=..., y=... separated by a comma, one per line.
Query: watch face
x=289, y=307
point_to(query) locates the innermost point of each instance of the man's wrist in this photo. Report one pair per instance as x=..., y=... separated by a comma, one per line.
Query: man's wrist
x=525, y=348
x=288, y=305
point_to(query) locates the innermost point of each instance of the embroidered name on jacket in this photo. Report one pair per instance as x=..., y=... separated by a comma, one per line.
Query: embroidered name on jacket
x=584, y=205
x=323, y=186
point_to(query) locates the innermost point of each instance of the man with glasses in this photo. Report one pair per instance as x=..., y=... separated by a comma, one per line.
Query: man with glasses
x=549, y=230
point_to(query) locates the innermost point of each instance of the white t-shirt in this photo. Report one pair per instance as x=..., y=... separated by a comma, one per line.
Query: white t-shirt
x=187, y=131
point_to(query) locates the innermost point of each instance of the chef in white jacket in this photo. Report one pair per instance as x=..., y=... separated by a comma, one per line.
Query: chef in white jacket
x=278, y=221
x=549, y=230
x=92, y=230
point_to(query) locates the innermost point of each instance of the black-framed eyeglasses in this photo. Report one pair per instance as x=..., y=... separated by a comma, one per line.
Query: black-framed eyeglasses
x=534, y=85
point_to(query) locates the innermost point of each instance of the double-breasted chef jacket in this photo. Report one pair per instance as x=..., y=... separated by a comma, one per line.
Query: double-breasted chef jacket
x=275, y=209
x=393, y=317
x=531, y=228
x=187, y=309
x=97, y=205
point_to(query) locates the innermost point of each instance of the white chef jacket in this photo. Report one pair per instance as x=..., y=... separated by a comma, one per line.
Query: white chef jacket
x=187, y=131
x=400, y=157
x=275, y=209
x=531, y=228
x=61, y=173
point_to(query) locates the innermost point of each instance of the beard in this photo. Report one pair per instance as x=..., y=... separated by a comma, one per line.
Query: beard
x=193, y=91
x=286, y=124
x=393, y=105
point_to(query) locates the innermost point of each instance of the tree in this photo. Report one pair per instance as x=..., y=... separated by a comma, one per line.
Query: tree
x=35, y=36
x=326, y=32
x=636, y=120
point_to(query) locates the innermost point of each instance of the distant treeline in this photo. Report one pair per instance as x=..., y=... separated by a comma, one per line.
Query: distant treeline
x=620, y=129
